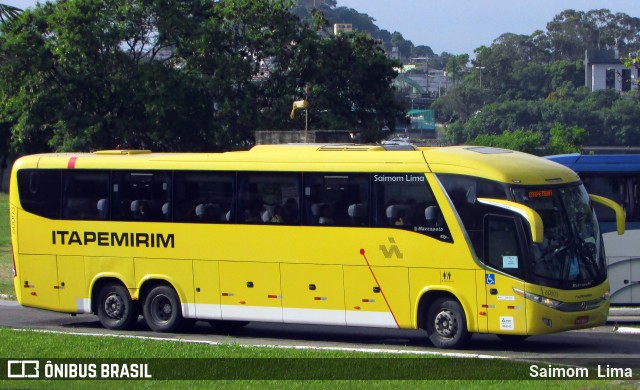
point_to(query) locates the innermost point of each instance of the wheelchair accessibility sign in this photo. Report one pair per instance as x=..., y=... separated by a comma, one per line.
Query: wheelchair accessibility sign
x=491, y=278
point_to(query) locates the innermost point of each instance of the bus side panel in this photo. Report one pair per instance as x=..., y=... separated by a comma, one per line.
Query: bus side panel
x=379, y=305
x=15, y=248
x=250, y=291
x=459, y=283
x=313, y=293
x=206, y=281
x=38, y=280
x=72, y=285
x=506, y=313
x=120, y=268
x=623, y=264
x=177, y=272
x=619, y=277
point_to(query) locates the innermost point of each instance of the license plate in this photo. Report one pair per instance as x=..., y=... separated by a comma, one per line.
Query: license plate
x=582, y=320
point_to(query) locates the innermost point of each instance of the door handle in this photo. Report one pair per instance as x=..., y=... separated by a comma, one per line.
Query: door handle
x=493, y=291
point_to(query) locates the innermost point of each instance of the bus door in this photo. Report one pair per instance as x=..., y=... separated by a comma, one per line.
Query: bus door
x=504, y=271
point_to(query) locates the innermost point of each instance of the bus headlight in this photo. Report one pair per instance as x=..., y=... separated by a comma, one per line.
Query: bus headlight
x=552, y=303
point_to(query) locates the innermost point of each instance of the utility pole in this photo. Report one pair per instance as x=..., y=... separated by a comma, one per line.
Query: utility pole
x=480, y=68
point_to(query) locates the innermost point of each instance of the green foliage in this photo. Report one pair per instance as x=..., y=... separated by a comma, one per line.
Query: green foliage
x=536, y=82
x=8, y=13
x=457, y=67
x=523, y=140
x=565, y=140
x=92, y=74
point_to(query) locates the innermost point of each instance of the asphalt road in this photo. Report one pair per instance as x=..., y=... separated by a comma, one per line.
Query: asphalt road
x=606, y=344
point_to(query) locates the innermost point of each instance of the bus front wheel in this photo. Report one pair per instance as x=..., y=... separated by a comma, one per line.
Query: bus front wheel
x=447, y=324
x=116, y=310
x=162, y=310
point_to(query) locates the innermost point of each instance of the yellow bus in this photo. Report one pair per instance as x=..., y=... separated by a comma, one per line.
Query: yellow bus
x=454, y=240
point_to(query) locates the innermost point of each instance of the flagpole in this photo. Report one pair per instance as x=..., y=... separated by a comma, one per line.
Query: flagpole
x=306, y=110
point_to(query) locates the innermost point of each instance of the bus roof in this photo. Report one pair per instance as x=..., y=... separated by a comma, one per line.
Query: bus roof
x=497, y=164
x=599, y=162
x=490, y=163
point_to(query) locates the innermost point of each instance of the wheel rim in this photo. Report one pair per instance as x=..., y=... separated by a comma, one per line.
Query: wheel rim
x=114, y=306
x=446, y=324
x=161, y=308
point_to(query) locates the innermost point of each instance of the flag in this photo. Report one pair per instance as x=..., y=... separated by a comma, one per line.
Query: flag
x=298, y=104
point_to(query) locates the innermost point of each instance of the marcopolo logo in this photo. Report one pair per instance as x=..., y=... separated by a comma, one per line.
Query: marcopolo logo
x=392, y=250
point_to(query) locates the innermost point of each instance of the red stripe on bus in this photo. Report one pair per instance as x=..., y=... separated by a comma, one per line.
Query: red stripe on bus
x=72, y=162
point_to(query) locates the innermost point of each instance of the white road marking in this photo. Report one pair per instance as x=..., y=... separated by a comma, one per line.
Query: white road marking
x=298, y=347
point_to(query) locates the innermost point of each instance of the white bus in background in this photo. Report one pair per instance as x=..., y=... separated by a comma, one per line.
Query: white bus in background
x=615, y=176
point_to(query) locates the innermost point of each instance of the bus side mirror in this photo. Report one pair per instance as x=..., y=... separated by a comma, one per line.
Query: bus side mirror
x=620, y=215
x=532, y=216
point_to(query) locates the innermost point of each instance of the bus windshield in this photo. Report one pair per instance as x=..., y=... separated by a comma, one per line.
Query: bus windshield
x=571, y=254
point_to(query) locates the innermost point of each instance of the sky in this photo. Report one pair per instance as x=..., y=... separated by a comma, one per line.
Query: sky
x=461, y=26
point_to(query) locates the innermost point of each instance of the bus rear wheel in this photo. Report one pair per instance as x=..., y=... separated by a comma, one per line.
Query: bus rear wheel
x=162, y=310
x=447, y=324
x=116, y=310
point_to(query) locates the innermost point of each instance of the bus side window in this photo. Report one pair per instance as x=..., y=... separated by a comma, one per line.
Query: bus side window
x=39, y=191
x=633, y=211
x=269, y=198
x=141, y=196
x=336, y=199
x=85, y=195
x=610, y=186
x=204, y=197
x=405, y=201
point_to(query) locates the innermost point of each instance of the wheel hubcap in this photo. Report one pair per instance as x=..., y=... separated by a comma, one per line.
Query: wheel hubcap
x=162, y=308
x=446, y=324
x=114, y=306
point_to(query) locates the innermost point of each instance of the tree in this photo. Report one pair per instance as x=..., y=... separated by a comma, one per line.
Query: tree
x=350, y=83
x=572, y=32
x=457, y=67
x=536, y=82
x=523, y=140
x=8, y=12
x=404, y=47
x=565, y=139
x=190, y=75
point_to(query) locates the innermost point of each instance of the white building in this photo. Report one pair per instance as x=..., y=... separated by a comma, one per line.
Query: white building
x=342, y=28
x=603, y=69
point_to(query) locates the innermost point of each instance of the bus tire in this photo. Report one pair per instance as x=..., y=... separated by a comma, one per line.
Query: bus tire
x=115, y=308
x=446, y=324
x=162, y=310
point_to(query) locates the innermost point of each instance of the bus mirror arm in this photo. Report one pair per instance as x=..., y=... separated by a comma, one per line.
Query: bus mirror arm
x=532, y=216
x=620, y=214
